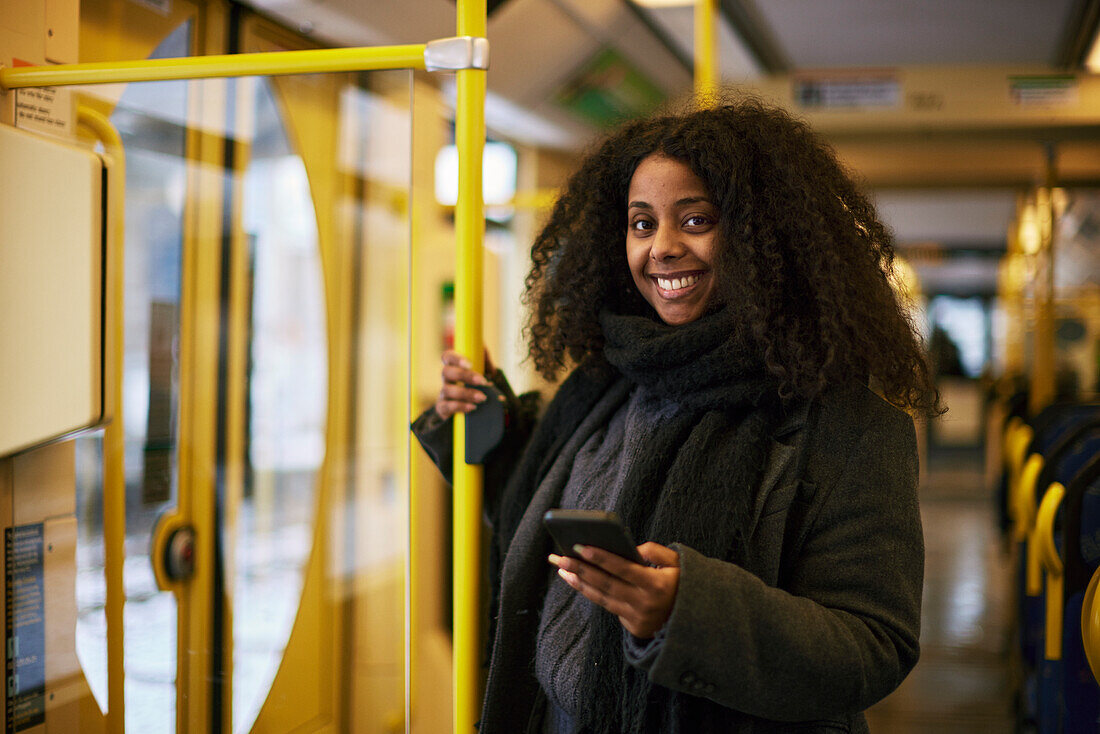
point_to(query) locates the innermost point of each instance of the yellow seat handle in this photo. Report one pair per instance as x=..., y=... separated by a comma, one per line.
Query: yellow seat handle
x=1017, y=441
x=1024, y=499
x=1026, y=513
x=1047, y=553
x=1090, y=625
x=1044, y=529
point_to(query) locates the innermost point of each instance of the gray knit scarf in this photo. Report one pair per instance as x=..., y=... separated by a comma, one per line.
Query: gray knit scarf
x=696, y=486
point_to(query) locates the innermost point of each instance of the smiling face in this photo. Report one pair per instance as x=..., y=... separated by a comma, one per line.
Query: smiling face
x=671, y=238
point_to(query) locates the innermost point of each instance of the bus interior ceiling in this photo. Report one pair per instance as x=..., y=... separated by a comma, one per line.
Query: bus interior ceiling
x=959, y=117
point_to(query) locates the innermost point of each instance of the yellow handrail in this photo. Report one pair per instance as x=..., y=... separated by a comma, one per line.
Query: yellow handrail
x=1090, y=625
x=218, y=66
x=706, y=50
x=469, y=231
x=114, y=438
x=1052, y=564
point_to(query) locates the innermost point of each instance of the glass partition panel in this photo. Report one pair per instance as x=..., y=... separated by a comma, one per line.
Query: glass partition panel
x=287, y=385
x=318, y=531
x=151, y=120
x=266, y=403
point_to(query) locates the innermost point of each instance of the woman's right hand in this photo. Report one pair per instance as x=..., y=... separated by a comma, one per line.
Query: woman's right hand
x=455, y=397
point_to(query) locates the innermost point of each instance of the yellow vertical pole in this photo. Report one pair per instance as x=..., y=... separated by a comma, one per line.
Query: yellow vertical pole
x=469, y=232
x=114, y=470
x=1042, y=375
x=706, y=50
x=1010, y=290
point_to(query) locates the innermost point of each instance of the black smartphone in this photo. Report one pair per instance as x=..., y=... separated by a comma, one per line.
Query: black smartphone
x=590, y=527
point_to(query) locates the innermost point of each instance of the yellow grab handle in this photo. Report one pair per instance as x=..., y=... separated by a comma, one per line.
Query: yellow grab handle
x=1018, y=442
x=1026, y=512
x=1024, y=500
x=1047, y=552
x=1044, y=529
x=1090, y=625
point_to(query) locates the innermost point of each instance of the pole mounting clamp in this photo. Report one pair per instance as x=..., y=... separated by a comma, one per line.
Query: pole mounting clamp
x=458, y=52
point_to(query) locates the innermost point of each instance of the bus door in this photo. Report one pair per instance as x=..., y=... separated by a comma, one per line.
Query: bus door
x=265, y=387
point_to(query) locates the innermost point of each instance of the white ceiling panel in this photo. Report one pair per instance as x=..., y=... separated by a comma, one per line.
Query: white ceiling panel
x=356, y=23
x=862, y=33
x=524, y=35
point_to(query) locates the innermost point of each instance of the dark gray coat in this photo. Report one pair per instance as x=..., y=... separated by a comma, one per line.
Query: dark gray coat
x=822, y=620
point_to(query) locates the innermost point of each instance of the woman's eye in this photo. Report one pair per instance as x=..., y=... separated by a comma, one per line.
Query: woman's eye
x=641, y=225
x=698, y=220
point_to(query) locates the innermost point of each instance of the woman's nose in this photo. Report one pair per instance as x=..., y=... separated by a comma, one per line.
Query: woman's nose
x=666, y=244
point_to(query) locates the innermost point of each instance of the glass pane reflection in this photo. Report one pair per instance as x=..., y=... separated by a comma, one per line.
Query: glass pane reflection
x=287, y=390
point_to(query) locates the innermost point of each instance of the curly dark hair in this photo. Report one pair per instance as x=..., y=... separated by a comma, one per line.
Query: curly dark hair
x=803, y=257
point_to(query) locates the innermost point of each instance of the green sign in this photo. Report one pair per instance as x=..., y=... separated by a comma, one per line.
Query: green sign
x=1043, y=90
x=608, y=90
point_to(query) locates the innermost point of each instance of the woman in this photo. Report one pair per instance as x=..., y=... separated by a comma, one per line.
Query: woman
x=724, y=292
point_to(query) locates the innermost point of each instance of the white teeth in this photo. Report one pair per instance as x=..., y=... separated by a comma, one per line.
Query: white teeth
x=676, y=284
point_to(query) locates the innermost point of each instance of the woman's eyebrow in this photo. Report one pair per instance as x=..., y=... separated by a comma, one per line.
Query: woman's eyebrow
x=679, y=202
x=689, y=199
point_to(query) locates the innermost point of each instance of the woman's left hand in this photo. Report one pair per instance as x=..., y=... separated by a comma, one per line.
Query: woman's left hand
x=640, y=596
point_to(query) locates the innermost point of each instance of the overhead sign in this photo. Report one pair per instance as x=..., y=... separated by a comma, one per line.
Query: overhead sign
x=827, y=90
x=609, y=89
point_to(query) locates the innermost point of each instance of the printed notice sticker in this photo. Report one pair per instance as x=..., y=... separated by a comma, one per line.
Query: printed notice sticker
x=44, y=110
x=26, y=628
x=1050, y=90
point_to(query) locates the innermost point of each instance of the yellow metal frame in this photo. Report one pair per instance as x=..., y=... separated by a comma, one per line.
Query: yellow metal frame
x=200, y=331
x=1052, y=564
x=114, y=437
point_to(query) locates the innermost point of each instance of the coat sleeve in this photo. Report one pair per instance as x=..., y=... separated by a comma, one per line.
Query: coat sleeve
x=843, y=633
x=435, y=436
